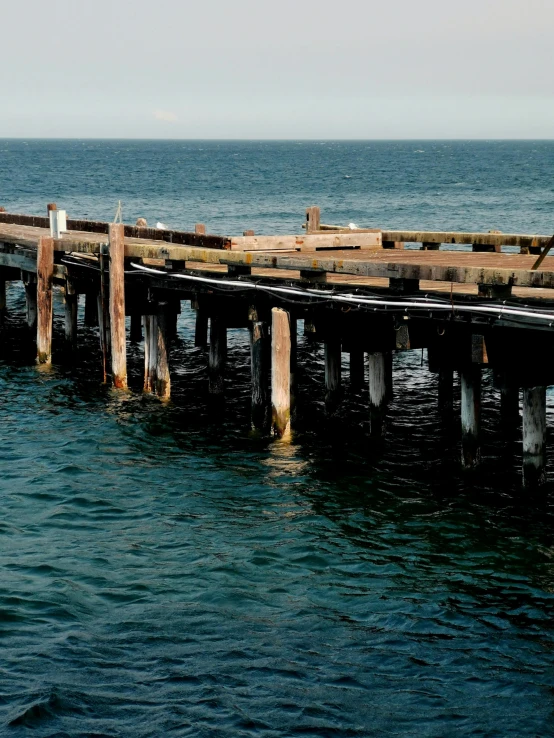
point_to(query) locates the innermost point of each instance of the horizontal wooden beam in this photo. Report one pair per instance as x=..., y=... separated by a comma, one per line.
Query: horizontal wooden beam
x=308, y=242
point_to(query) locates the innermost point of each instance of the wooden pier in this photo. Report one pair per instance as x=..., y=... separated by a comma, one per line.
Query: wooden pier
x=473, y=300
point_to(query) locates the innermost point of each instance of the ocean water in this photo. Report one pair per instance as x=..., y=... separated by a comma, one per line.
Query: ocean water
x=164, y=572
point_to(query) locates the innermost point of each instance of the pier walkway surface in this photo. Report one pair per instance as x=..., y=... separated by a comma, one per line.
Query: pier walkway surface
x=359, y=291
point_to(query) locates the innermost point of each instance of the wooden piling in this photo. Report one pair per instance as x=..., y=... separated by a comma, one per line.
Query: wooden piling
x=135, y=334
x=30, y=284
x=45, y=274
x=470, y=377
x=534, y=436
x=150, y=325
x=217, y=355
x=71, y=303
x=357, y=360
x=280, y=373
x=313, y=219
x=293, y=321
x=162, y=380
x=259, y=353
x=91, y=309
x=104, y=330
x=332, y=355
x=445, y=390
x=201, y=325
x=377, y=393
x=117, y=305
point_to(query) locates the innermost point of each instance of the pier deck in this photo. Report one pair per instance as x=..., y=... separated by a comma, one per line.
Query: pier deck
x=357, y=291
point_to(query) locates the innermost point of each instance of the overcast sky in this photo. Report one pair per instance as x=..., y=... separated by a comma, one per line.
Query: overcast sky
x=291, y=69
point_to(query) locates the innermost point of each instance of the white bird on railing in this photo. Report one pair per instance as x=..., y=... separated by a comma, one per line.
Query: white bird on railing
x=353, y=226
x=161, y=226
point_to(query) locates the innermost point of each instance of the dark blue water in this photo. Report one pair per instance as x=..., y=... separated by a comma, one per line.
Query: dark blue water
x=163, y=572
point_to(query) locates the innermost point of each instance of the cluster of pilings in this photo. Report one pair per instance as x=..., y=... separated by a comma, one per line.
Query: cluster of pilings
x=370, y=339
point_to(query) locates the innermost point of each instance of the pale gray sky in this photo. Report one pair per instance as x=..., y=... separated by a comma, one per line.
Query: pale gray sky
x=292, y=69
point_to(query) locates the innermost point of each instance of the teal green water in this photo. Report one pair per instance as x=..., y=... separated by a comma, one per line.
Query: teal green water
x=166, y=573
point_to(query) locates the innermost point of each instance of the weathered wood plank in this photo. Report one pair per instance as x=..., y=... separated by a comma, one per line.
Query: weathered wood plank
x=307, y=242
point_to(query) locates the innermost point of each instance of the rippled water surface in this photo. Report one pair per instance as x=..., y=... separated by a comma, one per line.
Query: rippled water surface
x=164, y=572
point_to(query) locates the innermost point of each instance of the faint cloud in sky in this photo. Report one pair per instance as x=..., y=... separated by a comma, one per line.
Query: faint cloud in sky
x=166, y=115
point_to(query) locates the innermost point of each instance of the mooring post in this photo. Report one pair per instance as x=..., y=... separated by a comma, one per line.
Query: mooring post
x=71, y=299
x=45, y=275
x=534, y=436
x=30, y=284
x=163, y=380
x=332, y=354
x=377, y=393
x=470, y=377
x=280, y=373
x=218, y=354
x=91, y=309
x=259, y=354
x=356, y=368
x=117, y=305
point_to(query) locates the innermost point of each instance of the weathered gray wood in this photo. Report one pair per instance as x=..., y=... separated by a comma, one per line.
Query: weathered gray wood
x=150, y=325
x=280, y=373
x=332, y=355
x=470, y=377
x=45, y=271
x=308, y=242
x=534, y=436
x=71, y=303
x=293, y=322
x=163, y=379
x=377, y=393
x=117, y=306
x=218, y=354
x=104, y=331
x=30, y=284
x=259, y=353
x=313, y=219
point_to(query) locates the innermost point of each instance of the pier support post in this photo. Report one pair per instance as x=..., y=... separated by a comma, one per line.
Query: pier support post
x=280, y=373
x=509, y=402
x=161, y=338
x=356, y=368
x=136, y=327
x=30, y=284
x=259, y=353
x=201, y=327
x=104, y=328
x=45, y=273
x=332, y=353
x=3, y=308
x=71, y=299
x=117, y=305
x=91, y=310
x=150, y=324
x=218, y=354
x=471, y=416
x=534, y=436
x=377, y=393
x=446, y=390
